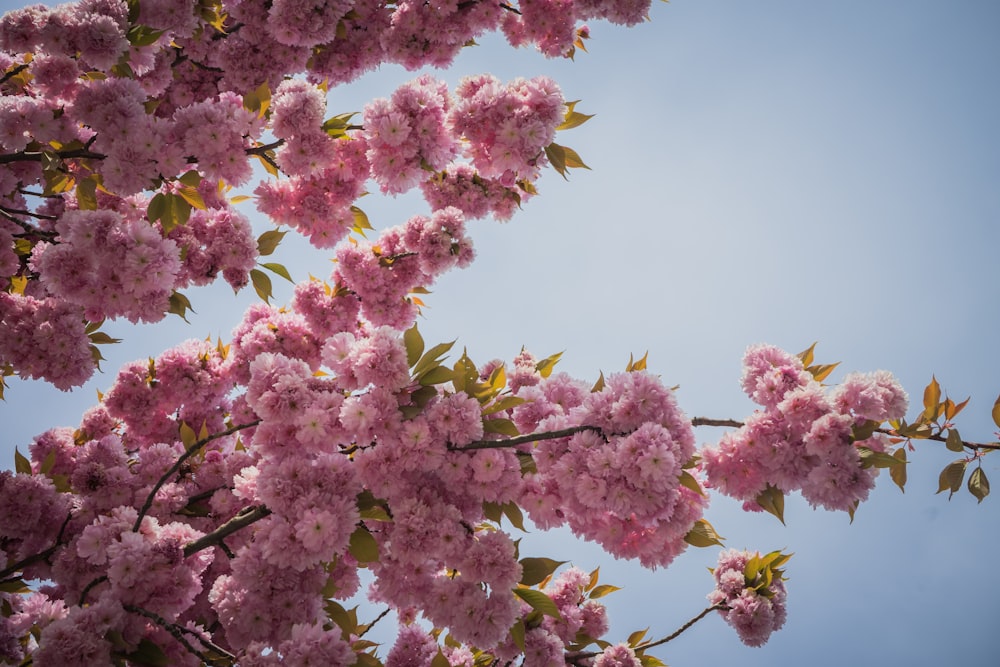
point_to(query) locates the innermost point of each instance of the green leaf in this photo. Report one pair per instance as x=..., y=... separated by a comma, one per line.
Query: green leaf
x=535, y=570
x=951, y=477
x=702, y=534
x=262, y=284
x=996, y=412
x=268, y=241
x=363, y=546
x=13, y=586
x=514, y=515
x=688, y=480
x=806, y=355
x=954, y=441
x=179, y=305
x=500, y=426
x=21, y=463
x=157, y=205
x=439, y=660
x=279, y=269
x=436, y=375
x=192, y=197
x=978, y=485
x=148, y=654
x=573, y=118
x=258, y=100
x=361, y=222
x=647, y=660
x=898, y=472
x=538, y=601
x=188, y=436
x=636, y=637
x=86, y=194
x=871, y=458
x=505, y=403
x=517, y=632
x=414, y=343
x=432, y=357
x=773, y=501
x=545, y=366
x=602, y=590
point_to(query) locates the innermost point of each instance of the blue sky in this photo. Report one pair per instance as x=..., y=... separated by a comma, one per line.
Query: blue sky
x=779, y=172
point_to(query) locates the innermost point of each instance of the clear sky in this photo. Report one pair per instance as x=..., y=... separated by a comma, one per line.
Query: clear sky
x=781, y=172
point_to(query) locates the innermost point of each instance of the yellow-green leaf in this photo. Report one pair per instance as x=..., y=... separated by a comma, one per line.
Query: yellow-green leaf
x=773, y=501
x=545, y=366
x=951, y=477
x=538, y=601
x=262, y=284
x=21, y=463
x=954, y=441
x=806, y=355
x=932, y=395
x=436, y=375
x=414, y=344
x=363, y=546
x=535, y=570
x=188, y=436
x=978, y=485
x=702, y=534
x=501, y=427
x=898, y=472
x=268, y=241
x=279, y=269
x=688, y=480
x=602, y=590
x=179, y=305
x=996, y=412
x=517, y=632
x=192, y=197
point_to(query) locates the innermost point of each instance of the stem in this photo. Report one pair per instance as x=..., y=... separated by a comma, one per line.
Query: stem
x=178, y=633
x=372, y=624
x=575, y=658
x=245, y=517
x=522, y=439
x=677, y=633
x=14, y=72
x=36, y=156
x=179, y=462
x=705, y=421
x=992, y=446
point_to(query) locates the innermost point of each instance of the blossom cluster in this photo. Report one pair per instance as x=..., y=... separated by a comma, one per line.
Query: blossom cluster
x=803, y=438
x=753, y=611
x=618, y=482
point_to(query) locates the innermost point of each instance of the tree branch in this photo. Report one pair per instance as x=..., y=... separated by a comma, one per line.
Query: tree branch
x=178, y=632
x=36, y=156
x=192, y=450
x=576, y=658
x=243, y=518
x=522, y=439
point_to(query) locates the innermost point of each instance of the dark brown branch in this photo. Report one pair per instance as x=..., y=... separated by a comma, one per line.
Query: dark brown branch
x=191, y=451
x=372, y=624
x=522, y=439
x=14, y=72
x=40, y=556
x=178, y=632
x=576, y=658
x=17, y=211
x=263, y=148
x=979, y=446
x=992, y=446
x=244, y=518
x=36, y=156
x=705, y=421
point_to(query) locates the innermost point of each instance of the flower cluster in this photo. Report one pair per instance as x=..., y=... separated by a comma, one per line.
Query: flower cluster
x=110, y=266
x=45, y=338
x=407, y=134
x=754, y=610
x=804, y=438
x=619, y=482
x=508, y=126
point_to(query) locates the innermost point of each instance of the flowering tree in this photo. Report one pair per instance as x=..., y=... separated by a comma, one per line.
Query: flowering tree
x=217, y=505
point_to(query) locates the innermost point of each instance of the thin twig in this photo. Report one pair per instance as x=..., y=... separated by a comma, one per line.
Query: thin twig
x=372, y=624
x=192, y=450
x=178, y=632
